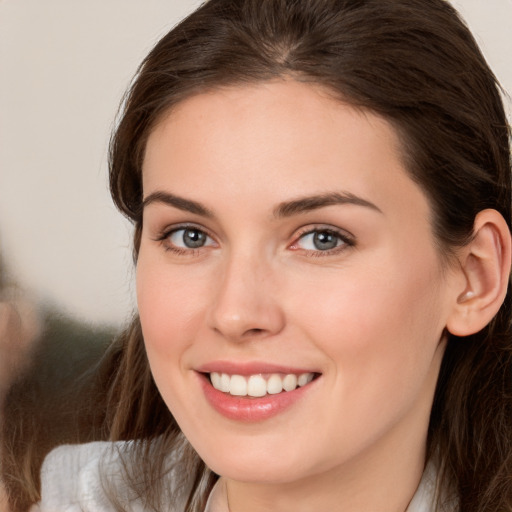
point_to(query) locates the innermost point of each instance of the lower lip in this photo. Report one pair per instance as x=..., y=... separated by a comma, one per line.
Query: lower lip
x=248, y=409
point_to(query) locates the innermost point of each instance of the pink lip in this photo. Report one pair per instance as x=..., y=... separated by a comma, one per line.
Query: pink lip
x=249, y=368
x=249, y=409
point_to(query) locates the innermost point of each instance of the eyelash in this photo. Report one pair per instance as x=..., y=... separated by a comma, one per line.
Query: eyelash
x=163, y=238
x=346, y=240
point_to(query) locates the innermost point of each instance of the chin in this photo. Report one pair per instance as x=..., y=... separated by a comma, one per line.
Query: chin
x=256, y=464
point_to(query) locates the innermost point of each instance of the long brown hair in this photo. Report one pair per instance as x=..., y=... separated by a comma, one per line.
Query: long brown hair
x=415, y=63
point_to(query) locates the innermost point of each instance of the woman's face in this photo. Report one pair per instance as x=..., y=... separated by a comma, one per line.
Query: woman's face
x=283, y=244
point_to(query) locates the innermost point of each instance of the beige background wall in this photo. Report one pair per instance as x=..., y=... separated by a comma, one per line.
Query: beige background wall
x=64, y=65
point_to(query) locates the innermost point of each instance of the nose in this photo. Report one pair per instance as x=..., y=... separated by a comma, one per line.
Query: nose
x=246, y=304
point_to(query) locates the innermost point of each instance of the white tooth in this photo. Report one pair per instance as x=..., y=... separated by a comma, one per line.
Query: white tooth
x=224, y=382
x=274, y=385
x=290, y=382
x=238, y=385
x=215, y=378
x=304, y=378
x=256, y=386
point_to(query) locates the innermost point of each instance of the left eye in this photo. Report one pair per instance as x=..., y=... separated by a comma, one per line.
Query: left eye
x=320, y=240
x=189, y=238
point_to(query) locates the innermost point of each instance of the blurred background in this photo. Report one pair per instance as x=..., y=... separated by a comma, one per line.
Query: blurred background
x=64, y=66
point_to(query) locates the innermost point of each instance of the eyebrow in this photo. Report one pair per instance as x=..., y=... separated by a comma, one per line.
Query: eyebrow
x=177, y=202
x=284, y=209
x=309, y=203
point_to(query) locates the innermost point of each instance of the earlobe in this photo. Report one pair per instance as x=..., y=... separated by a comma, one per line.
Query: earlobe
x=485, y=262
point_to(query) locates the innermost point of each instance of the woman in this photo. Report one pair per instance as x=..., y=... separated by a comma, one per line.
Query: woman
x=321, y=198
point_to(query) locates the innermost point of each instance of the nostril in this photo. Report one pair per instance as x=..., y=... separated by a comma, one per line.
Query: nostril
x=253, y=332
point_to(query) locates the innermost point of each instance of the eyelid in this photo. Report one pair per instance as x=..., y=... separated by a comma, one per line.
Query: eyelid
x=167, y=230
x=164, y=235
x=346, y=237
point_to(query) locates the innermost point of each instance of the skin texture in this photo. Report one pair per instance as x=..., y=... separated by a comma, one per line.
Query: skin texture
x=368, y=316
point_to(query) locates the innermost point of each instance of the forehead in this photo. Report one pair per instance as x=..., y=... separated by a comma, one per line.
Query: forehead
x=308, y=108
x=273, y=139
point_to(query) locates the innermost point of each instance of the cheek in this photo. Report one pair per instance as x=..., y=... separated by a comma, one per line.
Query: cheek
x=169, y=302
x=168, y=307
x=379, y=326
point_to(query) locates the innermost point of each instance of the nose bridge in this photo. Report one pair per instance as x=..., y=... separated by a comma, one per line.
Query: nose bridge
x=244, y=304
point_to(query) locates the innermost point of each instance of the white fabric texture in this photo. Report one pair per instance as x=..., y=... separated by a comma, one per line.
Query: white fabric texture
x=71, y=478
x=71, y=482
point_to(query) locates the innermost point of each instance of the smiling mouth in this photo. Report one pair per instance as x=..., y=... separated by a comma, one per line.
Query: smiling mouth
x=259, y=385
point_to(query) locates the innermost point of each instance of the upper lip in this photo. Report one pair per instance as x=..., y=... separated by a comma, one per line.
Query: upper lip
x=249, y=368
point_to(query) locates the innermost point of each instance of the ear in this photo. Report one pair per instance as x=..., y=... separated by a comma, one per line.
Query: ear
x=485, y=263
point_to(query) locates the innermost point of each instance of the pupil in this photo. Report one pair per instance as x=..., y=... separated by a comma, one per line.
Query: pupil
x=325, y=240
x=194, y=238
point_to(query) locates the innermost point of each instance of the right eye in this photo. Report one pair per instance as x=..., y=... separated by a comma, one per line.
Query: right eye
x=188, y=238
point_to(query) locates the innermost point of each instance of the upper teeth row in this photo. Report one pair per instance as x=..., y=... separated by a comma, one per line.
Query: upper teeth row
x=258, y=385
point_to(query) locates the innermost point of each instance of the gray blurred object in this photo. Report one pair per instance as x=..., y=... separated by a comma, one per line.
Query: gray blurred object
x=47, y=404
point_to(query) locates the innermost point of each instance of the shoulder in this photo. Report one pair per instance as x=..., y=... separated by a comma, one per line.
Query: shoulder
x=72, y=477
x=91, y=477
